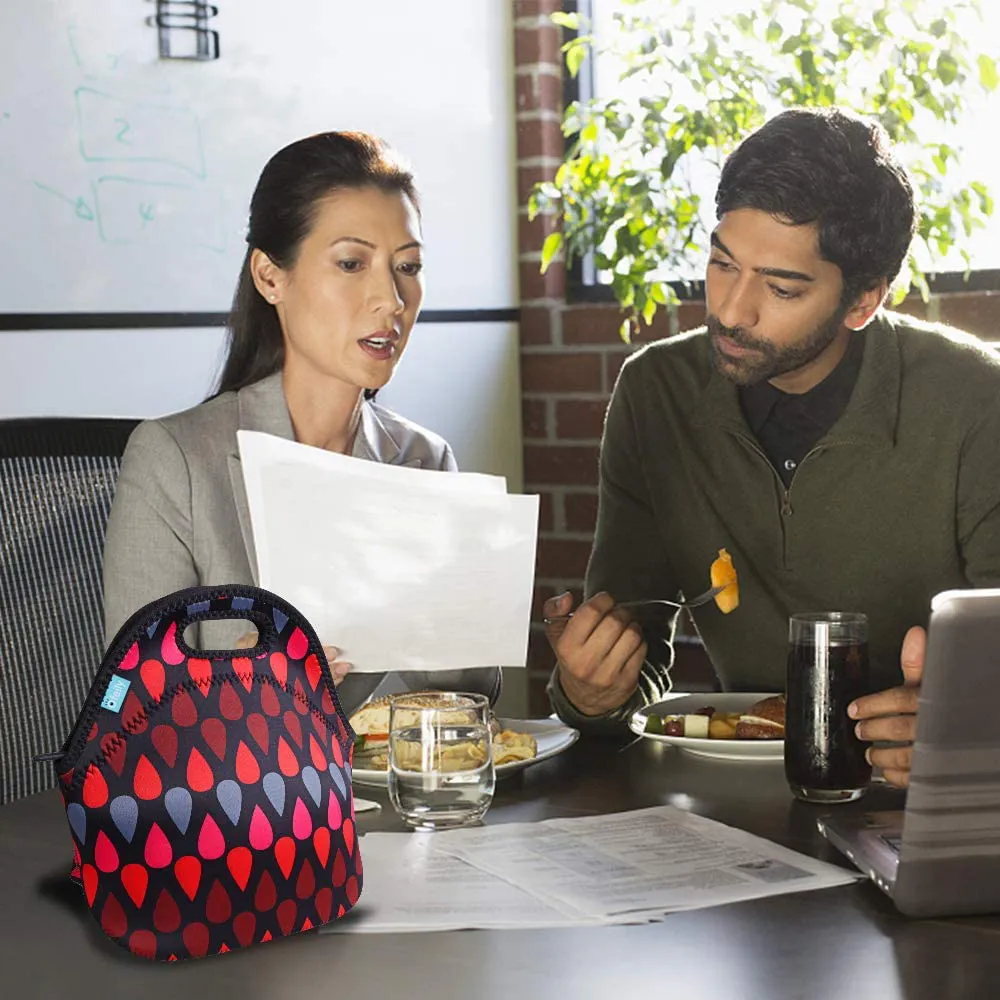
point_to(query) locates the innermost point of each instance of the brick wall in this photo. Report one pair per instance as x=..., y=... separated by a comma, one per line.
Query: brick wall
x=571, y=353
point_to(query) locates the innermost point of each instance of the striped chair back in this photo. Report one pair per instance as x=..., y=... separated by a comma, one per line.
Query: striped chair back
x=57, y=481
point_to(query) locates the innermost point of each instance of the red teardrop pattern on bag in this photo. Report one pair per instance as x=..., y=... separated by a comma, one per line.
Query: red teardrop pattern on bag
x=135, y=879
x=113, y=920
x=287, y=761
x=114, y=749
x=302, y=825
x=168, y=648
x=307, y=925
x=223, y=948
x=321, y=845
x=244, y=924
x=95, y=789
x=353, y=890
x=158, y=852
x=243, y=668
x=305, y=885
x=338, y=754
x=134, y=718
x=239, y=861
x=320, y=726
x=199, y=774
x=314, y=671
x=218, y=908
x=182, y=710
x=146, y=780
x=339, y=870
x=286, y=916
x=294, y=727
x=213, y=732
x=247, y=768
x=257, y=725
x=187, y=871
x=88, y=875
x=316, y=753
x=334, y=813
x=261, y=834
x=195, y=938
x=279, y=667
x=211, y=843
x=267, y=894
x=298, y=644
x=130, y=659
x=93, y=732
x=154, y=677
x=327, y=702
x=167, y=914
x=301, y=701
x=142, y=943
x=349, y=835
x=165, y=740
x=105, y=855
x=229, y=703
x=269, y=700
x=324, y=904
x=200, y=671
x=266, y=937
x=284, y=853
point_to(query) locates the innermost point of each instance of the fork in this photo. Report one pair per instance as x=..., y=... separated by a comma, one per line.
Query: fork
x=653, y=604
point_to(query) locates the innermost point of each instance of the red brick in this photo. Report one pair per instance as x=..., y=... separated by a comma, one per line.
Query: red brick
x=537, y=45
x=536, y=325
x=561, y=372
x=535, y=285
x=562, y=558
x=554, y=464
x=581, y=511
x=546, y=511
x=690, y=315
x=591, y=324
x=536, y=8
x=578, y=419
x=533, y=418
x=538, y=91
x=539, y=138
x=973, y=312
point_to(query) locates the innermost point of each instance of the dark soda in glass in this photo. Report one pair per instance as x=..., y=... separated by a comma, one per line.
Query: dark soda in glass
x=827, y=669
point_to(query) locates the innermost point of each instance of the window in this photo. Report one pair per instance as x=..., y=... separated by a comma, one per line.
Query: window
x=600, y=77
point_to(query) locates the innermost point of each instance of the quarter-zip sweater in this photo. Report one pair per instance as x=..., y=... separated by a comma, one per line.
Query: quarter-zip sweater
x=899, y=500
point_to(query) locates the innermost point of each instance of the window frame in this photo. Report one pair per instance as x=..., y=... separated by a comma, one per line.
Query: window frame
x=582, y=285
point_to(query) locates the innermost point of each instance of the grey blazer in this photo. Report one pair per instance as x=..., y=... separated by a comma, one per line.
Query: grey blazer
x=180, y=516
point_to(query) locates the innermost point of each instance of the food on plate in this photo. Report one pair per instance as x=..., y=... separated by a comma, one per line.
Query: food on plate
x=723, y=573
x=764, y=720
x=371, y=726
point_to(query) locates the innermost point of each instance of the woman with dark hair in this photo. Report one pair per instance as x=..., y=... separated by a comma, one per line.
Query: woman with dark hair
x=330, y=288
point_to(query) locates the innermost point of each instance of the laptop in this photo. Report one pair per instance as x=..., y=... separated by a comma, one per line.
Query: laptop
x=940, y=855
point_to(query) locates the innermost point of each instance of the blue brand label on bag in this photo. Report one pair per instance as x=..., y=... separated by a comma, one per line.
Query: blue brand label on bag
x=114, y=697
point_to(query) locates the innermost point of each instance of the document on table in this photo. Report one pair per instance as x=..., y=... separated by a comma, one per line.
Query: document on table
x=411, y=886
x=400, y=568
x=644, y=862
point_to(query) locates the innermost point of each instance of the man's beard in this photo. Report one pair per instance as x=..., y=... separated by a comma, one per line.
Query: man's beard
x=769, y=361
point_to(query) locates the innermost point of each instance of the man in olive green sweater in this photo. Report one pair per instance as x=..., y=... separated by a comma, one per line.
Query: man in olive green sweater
x=846, y=457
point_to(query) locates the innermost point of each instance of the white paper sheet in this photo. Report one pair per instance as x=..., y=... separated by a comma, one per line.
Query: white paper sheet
x=643, y=862
x=401, y=568
x=410, y=886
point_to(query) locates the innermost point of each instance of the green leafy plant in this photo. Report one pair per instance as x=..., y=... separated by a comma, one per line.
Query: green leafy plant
x=630, y=191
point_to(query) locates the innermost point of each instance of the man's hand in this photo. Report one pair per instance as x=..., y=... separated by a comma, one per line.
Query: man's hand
x=599, y=652
x=892, y=715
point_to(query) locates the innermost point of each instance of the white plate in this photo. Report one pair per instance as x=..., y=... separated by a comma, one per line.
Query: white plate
x=721, y=749
x=551, y=735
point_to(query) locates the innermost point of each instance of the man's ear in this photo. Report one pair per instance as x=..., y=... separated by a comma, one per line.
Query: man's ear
x=268, y=278
x=865, y=306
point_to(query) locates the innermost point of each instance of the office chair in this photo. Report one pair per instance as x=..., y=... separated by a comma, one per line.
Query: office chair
x=57, y=481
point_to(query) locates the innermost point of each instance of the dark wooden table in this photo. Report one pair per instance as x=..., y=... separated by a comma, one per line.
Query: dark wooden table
x=846, y=942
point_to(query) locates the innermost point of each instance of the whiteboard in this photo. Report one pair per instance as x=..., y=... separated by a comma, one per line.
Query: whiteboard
x=125, y=179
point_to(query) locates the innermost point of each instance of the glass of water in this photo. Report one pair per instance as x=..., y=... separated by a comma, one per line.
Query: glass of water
x=440, y=759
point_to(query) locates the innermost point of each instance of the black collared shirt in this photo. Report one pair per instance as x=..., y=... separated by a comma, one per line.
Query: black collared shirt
x=787, y=426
